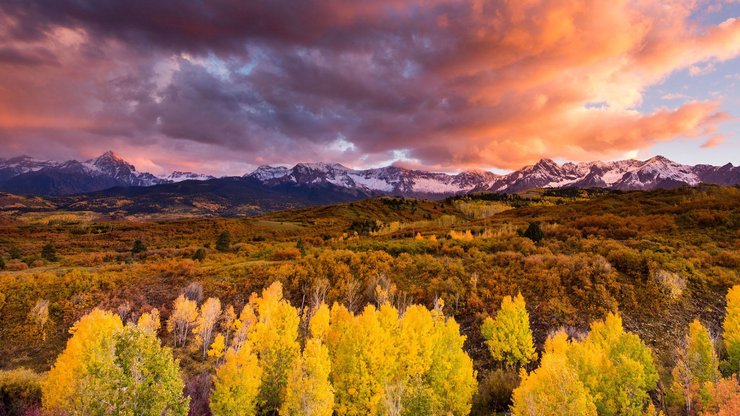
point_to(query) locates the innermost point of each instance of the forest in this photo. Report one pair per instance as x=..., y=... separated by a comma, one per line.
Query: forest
x=547, y=302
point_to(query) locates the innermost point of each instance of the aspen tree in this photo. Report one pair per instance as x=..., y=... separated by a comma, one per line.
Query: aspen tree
x=508, y=335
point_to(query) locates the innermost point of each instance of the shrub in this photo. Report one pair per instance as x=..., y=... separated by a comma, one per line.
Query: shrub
x=286, y=254
x=194, y=292
x=16, y=265
x=20, y=392
x=494, y=392
x=671, y=283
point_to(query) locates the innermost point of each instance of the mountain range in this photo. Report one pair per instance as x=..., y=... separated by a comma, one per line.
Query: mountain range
x=655, y=173
x=28, y=176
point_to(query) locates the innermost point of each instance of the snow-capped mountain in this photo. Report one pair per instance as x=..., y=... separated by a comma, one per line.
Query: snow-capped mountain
x=25, y=175
x=22, y=164
x=178, y=176
x=113, y=166
x=654, y=173
x=389, y=180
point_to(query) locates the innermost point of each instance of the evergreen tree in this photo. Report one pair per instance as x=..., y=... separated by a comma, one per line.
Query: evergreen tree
x=223, y=243
x=138, y=247
x=200, y=254
x=49, y=252
x=14, y=252
x=534, y=232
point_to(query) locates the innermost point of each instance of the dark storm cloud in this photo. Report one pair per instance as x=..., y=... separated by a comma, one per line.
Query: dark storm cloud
x=449, y=82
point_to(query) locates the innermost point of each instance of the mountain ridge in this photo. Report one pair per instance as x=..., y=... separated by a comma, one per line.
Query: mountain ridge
x=655, y=173
x=29, y=176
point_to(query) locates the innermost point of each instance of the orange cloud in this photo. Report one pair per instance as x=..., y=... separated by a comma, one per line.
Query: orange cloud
x=713, y=141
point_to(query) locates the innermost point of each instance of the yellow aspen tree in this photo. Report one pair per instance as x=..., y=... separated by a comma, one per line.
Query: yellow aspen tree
x=227, y=323
x=731, y=330
x=110, y=369
x=217, y=347
x=451, y=376
x=348, y=374
x=362, y=357
x=91, y=335
x=40, y=316
x=242, y=325
x=150, y=321
x=274, y=337
x=384, y=355
x=615, y=366
x=319, y=323
x=308, y=391
x=696, y=367
x=415, y=342
x=236, y=385
x=553, y=389
x=701, y=354
x=137, y=377
x=508, y=335
x=183, y=317
x=210, y=312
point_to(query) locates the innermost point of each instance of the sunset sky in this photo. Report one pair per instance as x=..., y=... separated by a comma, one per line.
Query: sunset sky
x=222, y=86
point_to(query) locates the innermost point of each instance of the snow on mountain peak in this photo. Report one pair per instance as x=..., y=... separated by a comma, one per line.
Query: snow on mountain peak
x=179, y=176
x=266, y=172
x=109, y=169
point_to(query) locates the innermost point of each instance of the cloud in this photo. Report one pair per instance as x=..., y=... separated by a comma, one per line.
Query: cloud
x=674, y=96
x=713, y=141
x=450, y=83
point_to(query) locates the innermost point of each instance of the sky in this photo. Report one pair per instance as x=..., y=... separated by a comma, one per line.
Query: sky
x=222, y=86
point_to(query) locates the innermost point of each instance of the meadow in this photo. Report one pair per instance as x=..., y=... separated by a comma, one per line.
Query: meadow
x=574, y=268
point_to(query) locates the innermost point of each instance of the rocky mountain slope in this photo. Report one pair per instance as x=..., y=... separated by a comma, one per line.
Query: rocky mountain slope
x=654, y=173
x=28, y=176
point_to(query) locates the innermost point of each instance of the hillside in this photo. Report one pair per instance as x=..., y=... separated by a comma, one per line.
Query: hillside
x=601, y=252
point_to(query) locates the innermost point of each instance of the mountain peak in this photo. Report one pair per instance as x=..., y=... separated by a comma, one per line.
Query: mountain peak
x=266, y=172
x=321, y=166
x=110, y=155
x=659, y=158
x=546, y=162
x=110, y=159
